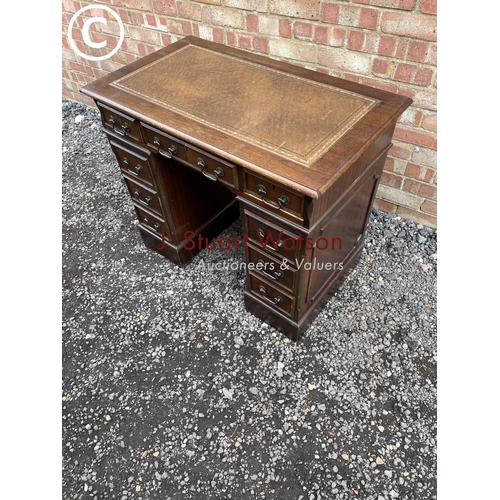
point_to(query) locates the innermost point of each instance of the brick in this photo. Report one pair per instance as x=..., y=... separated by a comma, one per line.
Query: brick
x=380, y=84
x=351, y=78
x=422, y=98
x=252, y=22
x=421, y=189
x=330, y=13
x=429, y=175
x=418, y=51
x=390, y=4
x=134, y=48
x=413, y=74
x=425, y=156
x=392, y=180
x=411, y=25
x=303, y=9
x=381, y=67
x=143, y=35
x=349, y=16
x=260, y=44
x=368, y=19
x=327, y=35
x=269, y=25
x=356, y=40
x=416, y=136
x=70, y=6
x=384, y=206
x=206, y=32
x=428, y=6
x=166, y=39
x=430, y=122
x=321, y=35
x=151, y=20
x=402, y=150
x=392, y=46
x=189, y=10
x=411, y=116
x=292, y=50
x=253, y=5
x=398, y=197
x=371, y=43
x=110, y=66
x=344, y=60
x=244, y=42
x=413, y=171
x=303, y=31
x=165, y=7
x=285, y=28
x=417, y=216
x=211, y=2
x=429, y=207
x=137, y=4
x=337, y=37
x=221, y=16
x=231, y=38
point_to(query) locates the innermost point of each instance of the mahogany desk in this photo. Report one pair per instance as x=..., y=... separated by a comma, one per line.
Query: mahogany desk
x=200, y=129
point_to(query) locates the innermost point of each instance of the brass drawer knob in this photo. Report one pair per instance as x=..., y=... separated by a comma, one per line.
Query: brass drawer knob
x=274, y=300
x=262, y=236
x=171, y=151
x=282, y=200
x=218, y=172
x=277, y=274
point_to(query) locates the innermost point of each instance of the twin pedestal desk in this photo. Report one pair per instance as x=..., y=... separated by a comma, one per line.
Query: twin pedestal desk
x=205, y=133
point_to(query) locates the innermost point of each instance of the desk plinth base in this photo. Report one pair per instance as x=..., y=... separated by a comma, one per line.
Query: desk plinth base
x=293, y=330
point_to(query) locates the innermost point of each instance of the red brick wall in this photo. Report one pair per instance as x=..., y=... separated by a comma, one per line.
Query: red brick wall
x=389, y=44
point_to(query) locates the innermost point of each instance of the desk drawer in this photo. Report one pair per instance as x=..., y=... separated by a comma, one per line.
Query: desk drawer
x=153, y=223
x=267, y=267
x=214, y=168
x=272, y=239
x=120, y=123
x=210, y=166
x=274, y=196
x=271, y=296
x=143, y=196
x=164, y=144
x=133, y=165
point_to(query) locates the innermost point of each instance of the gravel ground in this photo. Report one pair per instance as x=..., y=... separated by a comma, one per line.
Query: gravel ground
x=171, y=390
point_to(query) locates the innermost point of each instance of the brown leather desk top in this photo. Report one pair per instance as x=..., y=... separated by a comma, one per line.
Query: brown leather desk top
x=297, y=127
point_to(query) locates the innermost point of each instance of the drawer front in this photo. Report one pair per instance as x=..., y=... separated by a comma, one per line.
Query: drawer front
x=266, y=267
x=164, y=144
x=272, y=239
x=133, y=165
x=213, y=168
x=272, y=296
x=153, y=223
x=274, y=196
x=120, y=123
x=144, y=197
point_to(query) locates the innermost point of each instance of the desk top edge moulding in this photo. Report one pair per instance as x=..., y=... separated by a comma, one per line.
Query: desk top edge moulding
x=204, y=133
x=239, y=105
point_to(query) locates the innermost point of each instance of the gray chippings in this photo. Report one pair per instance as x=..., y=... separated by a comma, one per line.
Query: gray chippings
x=171, y=390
